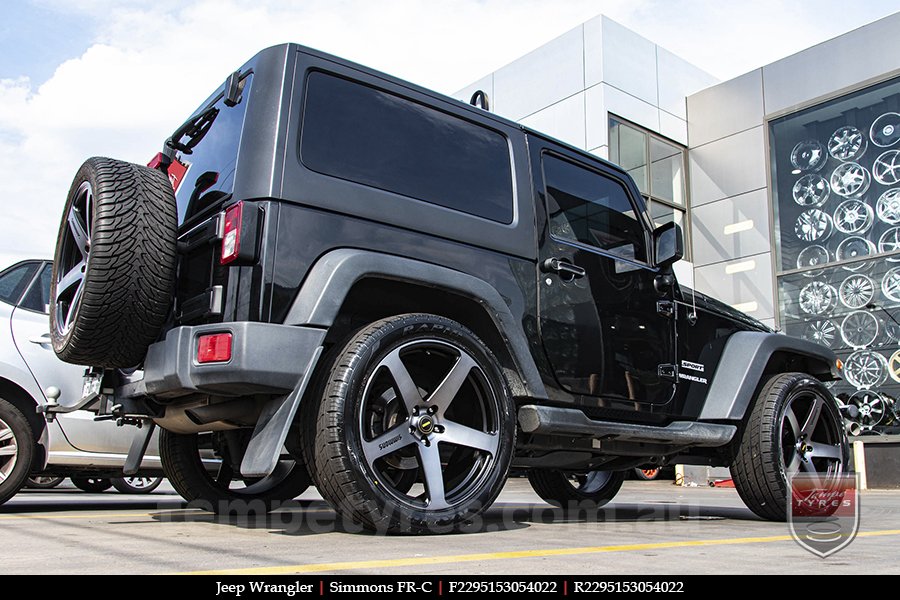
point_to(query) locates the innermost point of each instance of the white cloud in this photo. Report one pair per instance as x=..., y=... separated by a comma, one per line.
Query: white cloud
x=153, y=63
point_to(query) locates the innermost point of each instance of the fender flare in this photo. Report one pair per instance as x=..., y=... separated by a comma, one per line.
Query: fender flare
x=742, y=367
x=334, y=274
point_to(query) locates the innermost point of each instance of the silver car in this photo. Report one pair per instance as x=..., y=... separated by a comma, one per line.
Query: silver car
x=73, y=445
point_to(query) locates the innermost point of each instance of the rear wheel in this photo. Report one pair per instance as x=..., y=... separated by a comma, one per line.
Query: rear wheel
x=647, y=474
x=576, y=490
x=217, y=484
x=16, y=450
x=114, y=266
x=136, y=485
x=92, y=485
x=416, y=428
x=795, y=427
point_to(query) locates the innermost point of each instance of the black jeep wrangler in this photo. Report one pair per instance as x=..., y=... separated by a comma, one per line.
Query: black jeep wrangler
x=362, y=284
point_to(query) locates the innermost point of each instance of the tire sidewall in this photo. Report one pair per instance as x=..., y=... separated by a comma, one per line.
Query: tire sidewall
x=410, y=329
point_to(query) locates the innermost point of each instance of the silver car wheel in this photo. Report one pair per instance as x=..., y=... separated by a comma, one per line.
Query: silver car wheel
x=813, y=225
x=886, y=168
x=865, y=369
x=811, y=191
x=9, y=450
x=885, y=130
x=856, y=291
x=888, y=207
x=853, y=216
x=859, y=329
x=850, y=180
x=821, y=331
x=847, y=143
x=817, y=298
x=813, y=256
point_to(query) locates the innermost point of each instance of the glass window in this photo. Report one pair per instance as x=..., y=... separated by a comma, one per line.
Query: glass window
x=836, y=192
x=593, y=209
x=384, y=141
x=38, y=295
x=206, y=175
x=657, y=166
x=14, y=280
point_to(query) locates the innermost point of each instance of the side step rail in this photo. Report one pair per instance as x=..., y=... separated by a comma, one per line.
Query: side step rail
x=571, y=421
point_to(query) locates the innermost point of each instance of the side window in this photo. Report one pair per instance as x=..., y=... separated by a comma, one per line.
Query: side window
x=38, y=296
x=375, y=138
x=592, y=209
x=14, y=281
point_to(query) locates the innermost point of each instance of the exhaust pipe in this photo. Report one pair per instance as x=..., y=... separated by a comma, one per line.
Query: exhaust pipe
x=852, y=428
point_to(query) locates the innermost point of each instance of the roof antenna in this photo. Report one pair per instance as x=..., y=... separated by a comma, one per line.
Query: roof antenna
x=480, y=100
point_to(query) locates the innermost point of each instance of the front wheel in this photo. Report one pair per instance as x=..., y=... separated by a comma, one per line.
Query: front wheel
x=416, y=428
x=795, y=427
x=201, y=469
x=92, y=485
x=576, y=490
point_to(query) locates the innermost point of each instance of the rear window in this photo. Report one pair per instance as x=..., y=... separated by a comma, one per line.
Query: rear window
x=378, y=139
x=206, y=175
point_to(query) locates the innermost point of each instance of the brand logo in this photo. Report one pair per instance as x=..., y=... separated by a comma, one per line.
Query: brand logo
x=686, y=364
x=823, y=517
x=426, y=425
x=389, y=442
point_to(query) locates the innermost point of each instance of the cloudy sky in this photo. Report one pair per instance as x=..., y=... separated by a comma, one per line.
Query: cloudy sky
x=115, y=77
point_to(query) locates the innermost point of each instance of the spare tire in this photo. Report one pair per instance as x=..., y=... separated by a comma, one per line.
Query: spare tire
x=114, y=267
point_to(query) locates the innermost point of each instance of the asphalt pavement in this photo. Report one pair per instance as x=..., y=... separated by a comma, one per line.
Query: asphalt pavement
x=650, y=528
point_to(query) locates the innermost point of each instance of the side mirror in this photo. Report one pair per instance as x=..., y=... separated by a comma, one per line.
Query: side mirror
x=668, y=244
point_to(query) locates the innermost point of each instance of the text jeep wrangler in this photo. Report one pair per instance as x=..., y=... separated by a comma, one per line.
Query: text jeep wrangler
x=365, y=285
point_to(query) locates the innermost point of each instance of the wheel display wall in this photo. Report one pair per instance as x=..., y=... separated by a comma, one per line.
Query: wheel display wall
x=836, y=192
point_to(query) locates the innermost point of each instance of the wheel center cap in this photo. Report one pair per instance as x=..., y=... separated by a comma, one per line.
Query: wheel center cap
x=425, y=425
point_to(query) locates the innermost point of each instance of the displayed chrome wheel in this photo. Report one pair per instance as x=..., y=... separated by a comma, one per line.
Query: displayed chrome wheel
x=886, y=168
x=853, y=216
x=856, y=291
x=892, y=331
x=865, y=369
x=855, y=247
x=859, y=329
x=871, y=408
x=817, y=298
x=847, y=143
x=811, y=191
x=809, y=155
x=820, y=331
x=890, y=285
x=850, y=180
x=813, y=256
x=885, y=130
x=813, y=225
x=888, y=207
x=890, y=242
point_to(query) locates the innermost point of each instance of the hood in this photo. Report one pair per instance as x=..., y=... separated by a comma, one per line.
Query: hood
x=710, y=304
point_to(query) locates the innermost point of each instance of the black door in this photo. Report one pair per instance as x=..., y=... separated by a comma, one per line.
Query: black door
x=606, y=329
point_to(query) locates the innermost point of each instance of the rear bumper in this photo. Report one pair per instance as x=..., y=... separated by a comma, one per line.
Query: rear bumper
x=265, y=359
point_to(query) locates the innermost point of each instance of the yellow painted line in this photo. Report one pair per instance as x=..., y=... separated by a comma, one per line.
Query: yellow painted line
x=101, y=516
x=439, y=560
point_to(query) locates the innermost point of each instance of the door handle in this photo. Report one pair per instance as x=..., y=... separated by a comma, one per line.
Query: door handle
x=564, y=268
x=41, y=339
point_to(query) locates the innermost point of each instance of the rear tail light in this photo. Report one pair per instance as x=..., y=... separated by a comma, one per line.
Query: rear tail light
x=231, y=237
x=214, y=348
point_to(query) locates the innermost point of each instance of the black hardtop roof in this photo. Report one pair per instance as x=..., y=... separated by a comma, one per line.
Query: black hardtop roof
x=289, y=47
